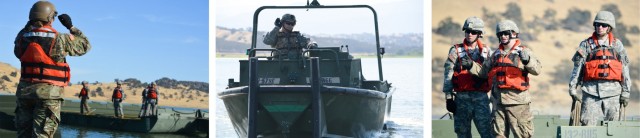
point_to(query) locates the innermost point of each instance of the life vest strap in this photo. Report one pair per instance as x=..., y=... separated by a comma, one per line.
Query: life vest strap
x=525, y=84
x=42, y=65
x=603, y=75
x=42, y=76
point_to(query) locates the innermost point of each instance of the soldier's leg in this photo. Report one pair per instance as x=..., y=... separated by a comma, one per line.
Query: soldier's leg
x=499, y=122
x=462, y=117
x=521, y=121
x=591, y=110
x=154, y=107
x=46, y=117
x=611, y=108
x=120, y=108
x=482, y=114
x=24, y=117
x=82, y=106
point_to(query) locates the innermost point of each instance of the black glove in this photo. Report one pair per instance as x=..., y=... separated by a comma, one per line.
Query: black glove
x=524, y=56
x=65, y=20
x=467, y=63
x=278, y=23
x=451, y=106
x=624, y=101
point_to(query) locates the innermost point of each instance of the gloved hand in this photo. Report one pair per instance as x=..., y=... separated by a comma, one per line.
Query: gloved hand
x=65, y=20
x=574, y=96
x=278, y=23
x=524, y=56
x=451, y=106
x=624, y=101
x=467, y=63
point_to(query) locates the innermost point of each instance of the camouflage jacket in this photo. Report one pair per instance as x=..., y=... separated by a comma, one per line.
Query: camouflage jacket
x=452, y=62
x=74, y=44
x=509, y=96
x=600, y=88
x=286, y=42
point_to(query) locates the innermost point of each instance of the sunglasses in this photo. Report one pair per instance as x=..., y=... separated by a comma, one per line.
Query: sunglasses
x=603, y=25
x=291, y=23
x=473, y=32
x=508, y=33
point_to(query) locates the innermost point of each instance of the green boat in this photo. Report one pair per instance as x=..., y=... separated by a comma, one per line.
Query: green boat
x=551, y=126
x=169, y=120
x=320, y=94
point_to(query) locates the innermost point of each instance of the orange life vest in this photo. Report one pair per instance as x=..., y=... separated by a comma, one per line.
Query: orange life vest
x=602, y=63
x=462, y=79
x=506, y=72
x=36, y=63
x=152, y=93
x=117, y=94
x=83, y=92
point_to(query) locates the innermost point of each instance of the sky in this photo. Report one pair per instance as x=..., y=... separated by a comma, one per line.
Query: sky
x=394, y=16
x=143, y=39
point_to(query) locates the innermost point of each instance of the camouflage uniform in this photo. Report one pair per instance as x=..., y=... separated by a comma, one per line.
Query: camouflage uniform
x=289, y=45
x=84, y=106
x=153, y=104
x=145, y=105
x=512, y=109
x=469, y=105
x=38, y=111
x=600, y=98
x=117, y=102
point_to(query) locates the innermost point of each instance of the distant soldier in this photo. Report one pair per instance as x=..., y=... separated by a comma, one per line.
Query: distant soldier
x=116, y=98
x=44, y=70
x=601, y=67
x=144, y=109
x=508, y=72
x=289, y=43
x=471, y=98
x=152, y=99
x=84, y=96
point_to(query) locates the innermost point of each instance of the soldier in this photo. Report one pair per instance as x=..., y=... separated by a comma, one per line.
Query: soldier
x=601, y=67
x=84, y=96
x=44, y=71
x=471, y=99
x=116, y=98
x=144, y=107
x=152, y=99
x=288, y=43
x=508, y=71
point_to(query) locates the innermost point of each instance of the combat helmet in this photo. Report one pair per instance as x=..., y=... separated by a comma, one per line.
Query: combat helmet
x=473, y=23
x=605, y=17
x=288, y=18
x=42, y=11
x=507, y=25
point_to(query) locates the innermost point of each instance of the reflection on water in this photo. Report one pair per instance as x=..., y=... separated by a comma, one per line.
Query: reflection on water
x=67, y=131
x=405, y=74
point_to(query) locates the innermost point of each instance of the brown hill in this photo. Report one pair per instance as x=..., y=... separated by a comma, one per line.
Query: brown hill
x=178, y=96
x=553, y=48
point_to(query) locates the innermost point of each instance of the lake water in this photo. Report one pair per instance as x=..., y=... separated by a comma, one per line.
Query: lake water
x=405, y=74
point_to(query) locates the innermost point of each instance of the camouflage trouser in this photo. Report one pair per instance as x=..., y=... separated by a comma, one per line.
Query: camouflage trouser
x=515, y=118
x=84, y=106
x=153, y=107
x=117, y=107
x=472, y=106
x=594, y=109
x=37, y=117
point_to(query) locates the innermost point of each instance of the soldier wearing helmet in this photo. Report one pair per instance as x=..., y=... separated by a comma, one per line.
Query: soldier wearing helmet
x=84, y=96
x=117, y=98
x=601, y=67
x=471, y=101
x=508, y=70
x=44, y=70
x=289, y=43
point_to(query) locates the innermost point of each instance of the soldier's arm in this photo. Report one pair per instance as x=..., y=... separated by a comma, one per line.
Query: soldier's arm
x=17, y=51
x=270, y=37
x=578, y=61
x=626, y=78
x=482, y=70
x=477, y=67
x=448, y=71
x=534, y=67
x=74, y=44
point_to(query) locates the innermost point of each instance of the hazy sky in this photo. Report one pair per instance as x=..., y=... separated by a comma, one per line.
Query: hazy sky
x=143, y=39
x=394, y=16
